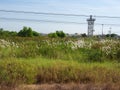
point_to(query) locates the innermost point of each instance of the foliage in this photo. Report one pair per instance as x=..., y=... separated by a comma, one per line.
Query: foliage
x=52, y=35
x=5, y=33
x=38, y=60
x=27, y=32
x=60, y=34
x=111, y=35
x=94, y=56
x=58, y=48
x=35, y=33
x=84, y=35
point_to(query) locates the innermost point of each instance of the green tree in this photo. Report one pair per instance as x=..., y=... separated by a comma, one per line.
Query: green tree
x=27, y=32
x=60, y=34
x=23, y=32
x=113, y=35
x=5, y=33
x=84, y=35
x=53, y=35
x=1, y=31
x=35, y=33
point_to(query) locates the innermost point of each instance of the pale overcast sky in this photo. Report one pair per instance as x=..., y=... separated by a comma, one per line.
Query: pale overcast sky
x=87, y=7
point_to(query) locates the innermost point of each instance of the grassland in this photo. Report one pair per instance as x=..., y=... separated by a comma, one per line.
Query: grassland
x=38, y=70
x=48, y=61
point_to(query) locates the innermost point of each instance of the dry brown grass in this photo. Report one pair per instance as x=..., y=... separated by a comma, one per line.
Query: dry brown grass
x=70, y=86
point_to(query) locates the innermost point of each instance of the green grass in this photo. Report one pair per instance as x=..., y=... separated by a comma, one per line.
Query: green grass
x=45, y=60
x=65, y=49
x=39, y=70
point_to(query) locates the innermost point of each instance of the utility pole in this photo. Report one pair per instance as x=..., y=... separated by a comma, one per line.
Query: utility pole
x=102, y=29
x=110, y=32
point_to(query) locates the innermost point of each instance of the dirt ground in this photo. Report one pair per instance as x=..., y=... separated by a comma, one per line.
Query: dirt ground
x=65, y=87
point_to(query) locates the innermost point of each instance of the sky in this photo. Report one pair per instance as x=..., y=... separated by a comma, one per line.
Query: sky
x=84, y=7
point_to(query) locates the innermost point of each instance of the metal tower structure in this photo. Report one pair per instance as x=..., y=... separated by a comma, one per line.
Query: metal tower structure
x=90, y=25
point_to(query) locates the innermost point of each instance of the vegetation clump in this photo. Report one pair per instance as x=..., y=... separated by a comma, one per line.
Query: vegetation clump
x=27, y=59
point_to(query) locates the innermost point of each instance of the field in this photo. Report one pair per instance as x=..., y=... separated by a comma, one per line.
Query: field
x=43, y=60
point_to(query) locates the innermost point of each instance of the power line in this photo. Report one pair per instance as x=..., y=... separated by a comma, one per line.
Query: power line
x=58, y=14
x=107, y=24
x=53, y=21
x=107, y=17
x=43, y=13
x=35, y=20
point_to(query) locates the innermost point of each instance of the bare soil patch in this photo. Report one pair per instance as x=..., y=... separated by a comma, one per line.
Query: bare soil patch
x=70, y=86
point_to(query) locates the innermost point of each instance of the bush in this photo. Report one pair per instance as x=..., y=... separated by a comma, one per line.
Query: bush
x=5, y=33
x=118, y=55
x=27, y=32
x=94, y=56
x=53, y=35
x=60, y=34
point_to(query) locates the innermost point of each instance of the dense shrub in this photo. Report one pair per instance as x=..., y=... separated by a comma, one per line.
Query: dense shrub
x=6, y=33
x=118, y=55
x=60, y=34
x=94, y=56
x=52, y=35
x=27, y=32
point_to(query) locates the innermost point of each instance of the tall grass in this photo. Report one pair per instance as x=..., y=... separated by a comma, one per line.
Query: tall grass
x=45, y=60
x=68, y=49
x=14, y=72
x=31, y=71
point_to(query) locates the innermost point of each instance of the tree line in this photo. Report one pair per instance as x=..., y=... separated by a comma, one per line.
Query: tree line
x=25, y=32
x=29, y=32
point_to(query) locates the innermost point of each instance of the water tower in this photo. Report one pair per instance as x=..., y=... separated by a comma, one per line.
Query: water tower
x=90, y=25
